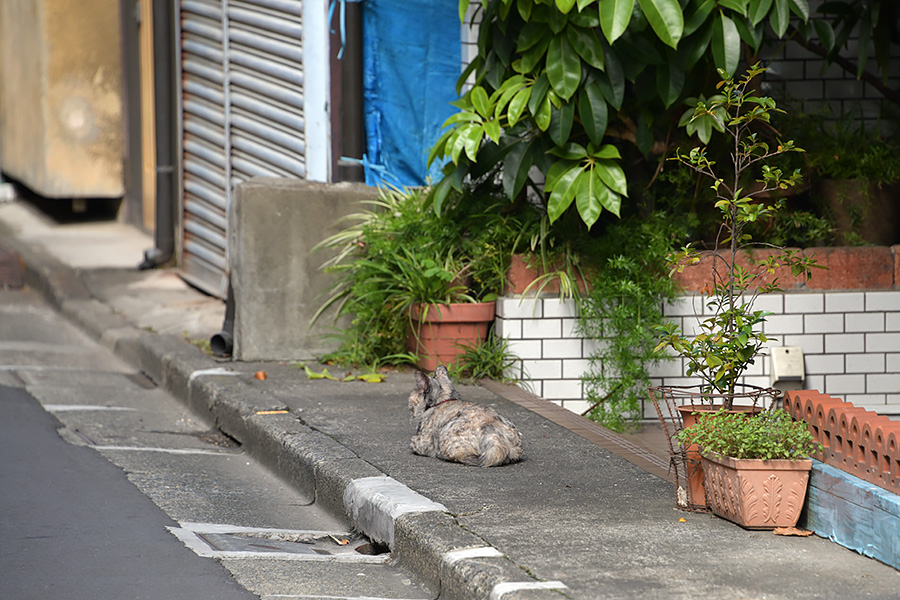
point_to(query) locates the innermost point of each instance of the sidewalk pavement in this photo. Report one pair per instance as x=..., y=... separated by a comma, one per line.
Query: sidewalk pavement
x=574, y=519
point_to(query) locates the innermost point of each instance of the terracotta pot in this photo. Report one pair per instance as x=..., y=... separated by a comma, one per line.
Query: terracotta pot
x=695, y=477
x=756, y=494
x=444, y=332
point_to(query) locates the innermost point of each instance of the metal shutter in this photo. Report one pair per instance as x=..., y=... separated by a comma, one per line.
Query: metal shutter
x=242, y=116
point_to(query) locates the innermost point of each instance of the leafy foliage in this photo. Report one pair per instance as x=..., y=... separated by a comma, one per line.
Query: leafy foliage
x=771, y=434
x=730, y=340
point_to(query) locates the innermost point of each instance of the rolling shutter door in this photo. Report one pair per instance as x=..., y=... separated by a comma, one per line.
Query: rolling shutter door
x=242, y=116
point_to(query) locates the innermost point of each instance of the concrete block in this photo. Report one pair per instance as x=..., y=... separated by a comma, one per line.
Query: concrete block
x=278, y=285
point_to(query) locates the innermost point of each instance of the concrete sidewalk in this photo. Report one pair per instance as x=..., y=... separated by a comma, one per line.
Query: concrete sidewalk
x=573, y=520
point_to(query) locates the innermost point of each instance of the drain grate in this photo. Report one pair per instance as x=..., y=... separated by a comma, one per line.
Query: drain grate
x=228, y=541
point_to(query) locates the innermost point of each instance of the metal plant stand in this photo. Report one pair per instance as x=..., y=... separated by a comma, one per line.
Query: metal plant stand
x=676, y=407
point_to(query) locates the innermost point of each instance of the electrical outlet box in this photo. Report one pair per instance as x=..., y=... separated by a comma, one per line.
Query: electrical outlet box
x=787, y=367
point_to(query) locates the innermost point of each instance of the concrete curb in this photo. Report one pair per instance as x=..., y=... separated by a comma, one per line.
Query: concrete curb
x=421, y=533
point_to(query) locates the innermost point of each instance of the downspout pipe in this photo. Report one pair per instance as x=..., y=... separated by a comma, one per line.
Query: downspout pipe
x=166, y=110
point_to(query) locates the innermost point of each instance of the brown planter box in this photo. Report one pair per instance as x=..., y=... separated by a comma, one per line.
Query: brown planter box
x=445, y=331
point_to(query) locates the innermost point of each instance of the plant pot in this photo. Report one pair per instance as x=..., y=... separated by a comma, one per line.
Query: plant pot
x=756, y=494
x=693, y=466
x=443, y=332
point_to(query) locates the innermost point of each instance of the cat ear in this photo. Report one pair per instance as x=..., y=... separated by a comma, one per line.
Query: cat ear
x=442, y=377
x=422, y=381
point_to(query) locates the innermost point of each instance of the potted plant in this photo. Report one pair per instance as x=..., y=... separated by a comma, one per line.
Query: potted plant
x=730, y=339
x=757, y=467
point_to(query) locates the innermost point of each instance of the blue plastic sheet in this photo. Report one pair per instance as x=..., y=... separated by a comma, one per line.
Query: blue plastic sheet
x=411, y=55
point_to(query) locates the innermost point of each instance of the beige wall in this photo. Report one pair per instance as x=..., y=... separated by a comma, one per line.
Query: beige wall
x=61, y=128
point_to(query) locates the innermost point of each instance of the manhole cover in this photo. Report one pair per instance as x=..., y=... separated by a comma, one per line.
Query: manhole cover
x=10, y=270
x=226, y=541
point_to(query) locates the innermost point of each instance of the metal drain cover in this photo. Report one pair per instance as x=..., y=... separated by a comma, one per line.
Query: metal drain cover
x=227, y=541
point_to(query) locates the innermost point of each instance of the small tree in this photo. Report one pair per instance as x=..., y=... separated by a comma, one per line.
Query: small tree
x=730, y=340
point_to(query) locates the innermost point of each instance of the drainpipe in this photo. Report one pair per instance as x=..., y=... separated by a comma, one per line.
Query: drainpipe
x=221, y=344
x=164, y=73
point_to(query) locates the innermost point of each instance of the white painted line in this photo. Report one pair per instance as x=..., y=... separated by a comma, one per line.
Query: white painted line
x=482, y=552
x=208, y=372
x=513, y=586
x=321, y=597
x=375, y=503
x=167, y=450
x=224, y=528
x=79, y=407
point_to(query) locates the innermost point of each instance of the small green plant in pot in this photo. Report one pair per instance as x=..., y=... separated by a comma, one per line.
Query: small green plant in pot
x=757, y=467
x=731, y=339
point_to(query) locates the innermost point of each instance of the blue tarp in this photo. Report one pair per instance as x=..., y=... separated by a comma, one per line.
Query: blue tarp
x=411, y=55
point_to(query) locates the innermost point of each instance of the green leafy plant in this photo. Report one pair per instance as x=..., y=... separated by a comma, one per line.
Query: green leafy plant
x=730, y=340
x=492, y=359
x=771, y=434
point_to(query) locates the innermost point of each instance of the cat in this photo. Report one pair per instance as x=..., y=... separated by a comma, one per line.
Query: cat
x=452, y=429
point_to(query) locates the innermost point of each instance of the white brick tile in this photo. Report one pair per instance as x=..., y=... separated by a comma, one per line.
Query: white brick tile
x=757, y=368
x=557, y=402
x=515, y=372
x=886, y=301
x=684, y=306
x=541, y=329
x=811, y=343
x=842, y=302
x=814, y=382
x=892, y=362
x=576, y=406
x=892, y=399
x=510, y=329
x=882, y=342
x=558, y=308
x=804, y=303
x=519, y=308
x=532, y=385
x=666, y=368
x=592, y=347
x=823, y=323
x=883, y=383
x=562, y=348
x=783, y=324
x=570, y=329
x=864, y=322
x=526, y=349
x=892, y=321
x=543, y=369
x=562, y=389
x=845, y=342
x=867, y=401
x=773, y=303
x=864, y=363
x=575, y=368
x=845, y=384
x=824, y=364
x=759, y=381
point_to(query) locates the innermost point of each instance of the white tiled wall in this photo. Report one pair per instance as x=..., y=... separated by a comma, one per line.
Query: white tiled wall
x=850, y=341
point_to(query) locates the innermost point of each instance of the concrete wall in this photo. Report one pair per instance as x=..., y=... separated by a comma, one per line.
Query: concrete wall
x=278, y=286
x=61, y=129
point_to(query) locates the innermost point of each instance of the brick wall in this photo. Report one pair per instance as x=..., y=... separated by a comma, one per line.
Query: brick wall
x=850, y=341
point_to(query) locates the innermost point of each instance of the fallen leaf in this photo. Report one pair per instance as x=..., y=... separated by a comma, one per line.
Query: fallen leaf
x=682, y=520
x=792, y=531
x=371, y=377
x=261, y=375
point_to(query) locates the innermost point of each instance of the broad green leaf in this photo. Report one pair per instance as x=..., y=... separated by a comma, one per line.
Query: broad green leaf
x=480, y=101
x=800, y=8
x=694, y=20
x=561, y=123
x=563, y=193
x=614, y=17
x=752, y=36
x=586, y=197
x=439, y=147
x=532, y=57
x=524, y=7
x=555, y=173
x=532, y=33
x=517, y=105
x=607, y=152
x=825, y=33
x=610, y=200
x=463, y=8
x=582, y=4
x=694, y=47
x=666, y=19
x=612, y=175
x=492, y=129
x=472, y=141
x=515, y=169
x=440, y=194
x=457, y=143
x=592, y=111
x=565, y=6
x=612, y=82
x=758, y=10
x=726, y=44
x=563, y=67
x=542, y=117
x=460, y=117
x=587, y=45
x=669, y=83
x=779, y=16
x=538, y=93
x=739, y=6
x=569, y=151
